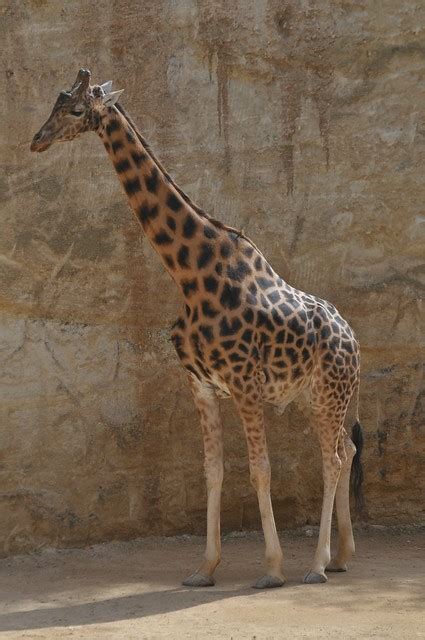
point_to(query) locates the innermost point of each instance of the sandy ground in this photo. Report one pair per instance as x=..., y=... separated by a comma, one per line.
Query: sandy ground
x=132, y=590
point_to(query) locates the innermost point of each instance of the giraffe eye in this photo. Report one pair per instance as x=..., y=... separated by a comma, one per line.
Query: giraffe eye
x=77, y=113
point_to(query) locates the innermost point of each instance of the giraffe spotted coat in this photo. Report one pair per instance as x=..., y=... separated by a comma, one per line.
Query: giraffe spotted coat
x=243, y=332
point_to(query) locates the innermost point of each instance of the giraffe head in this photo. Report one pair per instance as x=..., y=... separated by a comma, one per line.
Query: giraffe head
x=75, y=111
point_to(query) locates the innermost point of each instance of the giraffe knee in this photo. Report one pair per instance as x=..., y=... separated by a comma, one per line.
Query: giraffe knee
x=213, y=472
x=332, y=466
x=346, y=451
x=260, y=473
x=350, y=449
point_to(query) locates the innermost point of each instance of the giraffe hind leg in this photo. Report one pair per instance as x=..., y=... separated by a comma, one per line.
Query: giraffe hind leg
x=346, y=546
x=249, y=405
x=328, y=418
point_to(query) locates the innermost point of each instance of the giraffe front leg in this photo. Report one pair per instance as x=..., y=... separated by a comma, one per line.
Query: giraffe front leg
x=209, y=411
x=260, y=478
x=250, y=409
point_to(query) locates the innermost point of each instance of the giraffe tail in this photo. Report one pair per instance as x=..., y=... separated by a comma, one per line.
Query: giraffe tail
x=357, y=467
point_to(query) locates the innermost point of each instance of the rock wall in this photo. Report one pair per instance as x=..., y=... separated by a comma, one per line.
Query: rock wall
x=300, y=121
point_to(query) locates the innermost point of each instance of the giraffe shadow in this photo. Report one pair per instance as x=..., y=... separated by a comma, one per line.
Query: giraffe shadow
x=113, y=582
x=160, y=602
x=135, y=606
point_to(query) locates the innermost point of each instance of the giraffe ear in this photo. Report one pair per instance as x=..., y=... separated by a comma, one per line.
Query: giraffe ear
x=106, y=87
x=111, y=98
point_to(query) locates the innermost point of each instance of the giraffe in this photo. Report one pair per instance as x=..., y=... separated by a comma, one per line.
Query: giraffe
x=243, y=332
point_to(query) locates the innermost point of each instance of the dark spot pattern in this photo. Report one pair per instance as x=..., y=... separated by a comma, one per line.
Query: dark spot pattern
x=296, y=326
x=177, y=341
x=152, y=181
x=207, y=332
x=263, y=320
x=138, y=157
x=296, y=373
x=113, y=126
x=189, y=227
x=209, y=232
x=264, y=283
x=279, y=321
x=179, y=323
x=171, y=223
x=147, y=213
x=226, y=250
x=325, y=333
x=162, y=238
x=189, y=287
x=229, y=327
x=117, y=145
x=206, y=254
x=286, y=309
x=274, y=297
x=236, y=357
x=247, y=336
x=211, y=284
x=248, y=316
x=173, y=202
x=183, y=256
x=230, y=296
x=239, y=271
x=122, y=165
x=280, y=337
x=347, y=346
x=132, y=186
x=169, y=262
x=292, y=355
x=217, y=362
x=218, y=268
x=208, y=310
x=264, y=302
x=228, y=344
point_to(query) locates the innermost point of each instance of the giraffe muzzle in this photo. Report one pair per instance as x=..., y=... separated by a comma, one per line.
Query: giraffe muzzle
x=39, y=143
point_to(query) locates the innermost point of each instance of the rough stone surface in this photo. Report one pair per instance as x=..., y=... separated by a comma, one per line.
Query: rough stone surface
x=302, y=123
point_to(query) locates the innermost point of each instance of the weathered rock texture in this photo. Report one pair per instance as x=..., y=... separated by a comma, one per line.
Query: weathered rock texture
x=302, y=122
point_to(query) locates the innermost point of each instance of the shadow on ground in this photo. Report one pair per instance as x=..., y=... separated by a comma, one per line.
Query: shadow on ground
x=42, y=592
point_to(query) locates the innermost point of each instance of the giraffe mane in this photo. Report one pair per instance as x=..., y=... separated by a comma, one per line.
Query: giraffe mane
x=195, y=207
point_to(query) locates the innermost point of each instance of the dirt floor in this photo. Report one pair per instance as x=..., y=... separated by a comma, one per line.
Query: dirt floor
x=132, y=590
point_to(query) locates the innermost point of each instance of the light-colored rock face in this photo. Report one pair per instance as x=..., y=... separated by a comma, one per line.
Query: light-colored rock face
x=302, y=123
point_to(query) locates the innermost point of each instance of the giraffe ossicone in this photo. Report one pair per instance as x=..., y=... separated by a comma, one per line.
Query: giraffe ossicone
x=242, y=332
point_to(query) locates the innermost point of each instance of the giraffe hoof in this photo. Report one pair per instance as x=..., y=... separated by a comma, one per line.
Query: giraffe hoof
x=337, y=567
x=269, y=582
x=314, y=578
x=198, y=580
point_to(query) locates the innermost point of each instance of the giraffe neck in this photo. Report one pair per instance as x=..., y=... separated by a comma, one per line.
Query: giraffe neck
x=180, y=235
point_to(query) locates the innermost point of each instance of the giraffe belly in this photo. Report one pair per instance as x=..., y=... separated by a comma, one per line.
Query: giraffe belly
x=280, y=396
